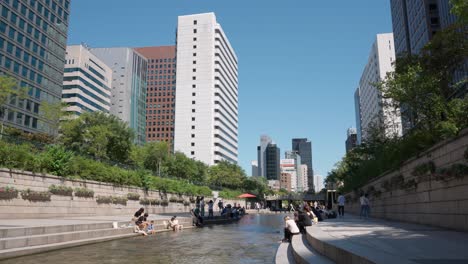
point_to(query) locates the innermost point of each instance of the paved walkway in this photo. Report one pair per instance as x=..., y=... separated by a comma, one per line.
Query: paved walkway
x=385, y=240
x=14, y=223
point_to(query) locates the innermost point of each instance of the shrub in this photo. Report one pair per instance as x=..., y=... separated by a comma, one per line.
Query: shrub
x=173, y=200
x=424, y=169
x=119, y=200
x=8, y=193
x=145, y=201
x=186, y=203
x=133, y=196
x=457, y=171
x=180, y=200
x=409, y=184
x=104, y=199
x=35, y=196
x=156, y=202
x=56, y=160
x=84, y=192
x=61, y=190
x=164, y=203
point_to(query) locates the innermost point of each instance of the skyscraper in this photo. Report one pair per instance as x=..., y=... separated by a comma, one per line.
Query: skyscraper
x=357, y=109
x=318, y=183
x=128, y=91
x=272, y=162
x=351, y=140
x=160, y=92
x=288, y=179
x=254, y=165
x=374, y=110
x=86, y=82
x=264, y=141
x=206, y=122
x=294, y=155
x=33, y=37
x=304, y=148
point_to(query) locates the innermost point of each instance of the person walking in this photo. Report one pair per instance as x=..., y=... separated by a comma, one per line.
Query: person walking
x=202, y=206
x=210, y=209
x=341, y=203
x=366, y=206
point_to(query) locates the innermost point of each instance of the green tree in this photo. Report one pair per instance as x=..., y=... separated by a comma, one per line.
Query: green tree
x=225, y=174
x=54, y=113
x=181, y=167
x=100, y=135
x=460, y=9
x=154, y=154
x=8, y=88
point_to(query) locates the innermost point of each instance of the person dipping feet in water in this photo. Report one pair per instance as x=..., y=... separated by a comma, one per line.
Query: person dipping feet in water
x=290, y=229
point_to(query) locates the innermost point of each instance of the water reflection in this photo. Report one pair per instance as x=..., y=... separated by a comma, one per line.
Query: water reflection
x=254, y=239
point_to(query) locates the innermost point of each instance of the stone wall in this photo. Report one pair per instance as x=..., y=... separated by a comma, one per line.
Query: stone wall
x=66, y=206
x=434, y=199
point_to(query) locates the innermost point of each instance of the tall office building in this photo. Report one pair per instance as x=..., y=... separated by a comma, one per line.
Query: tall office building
x=294, y=155
x=318, y=180
x=254, y=165
x=374, y=110
x=305, y=181
x=128, y=91
x=351, y=139
x=288, y=179
x=264, y=141
x=33, y=37
x=357, y=111
x=160, y=92
x=206, y=124
x=416, y=21
x=86, y=82
x=272, y=162
x=304, y=148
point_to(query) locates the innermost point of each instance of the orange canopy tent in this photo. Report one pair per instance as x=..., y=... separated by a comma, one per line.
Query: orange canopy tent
x=246, y=195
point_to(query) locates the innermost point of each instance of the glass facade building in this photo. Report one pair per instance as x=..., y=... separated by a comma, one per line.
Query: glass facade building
x=272, y=165
x=33, y=36
x=304, y=148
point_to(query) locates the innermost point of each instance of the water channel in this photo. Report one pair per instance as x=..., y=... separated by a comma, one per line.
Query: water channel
x=254, y=239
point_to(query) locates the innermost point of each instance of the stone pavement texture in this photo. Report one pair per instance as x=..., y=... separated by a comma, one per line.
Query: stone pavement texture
x=354, y=240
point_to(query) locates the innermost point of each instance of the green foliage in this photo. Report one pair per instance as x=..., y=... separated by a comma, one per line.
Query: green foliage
x=84, y=192
x=225, y=174
x=9, y=88
x=424, y=169
x=457, y=170
x=100, y=199
x=460, y=9
x=145, y=201
x=99, y=135
x=133, y=196
x=53, y=114
x=229, y=194
x=56, y=160
x=173, y=200
x=61, y=190
x=35, y=196
x=8, y=193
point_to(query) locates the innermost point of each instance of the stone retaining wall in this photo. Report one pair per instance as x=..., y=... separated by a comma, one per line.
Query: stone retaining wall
x=65, y=206
x=437, y=201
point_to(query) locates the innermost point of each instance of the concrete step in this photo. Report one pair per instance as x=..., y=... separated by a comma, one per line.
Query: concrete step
x=17, y=252
x=303, y=253
x=37, y=240
x=284, y=254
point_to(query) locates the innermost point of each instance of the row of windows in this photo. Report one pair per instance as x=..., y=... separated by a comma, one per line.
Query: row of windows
x=87, y=92
x=159, y=94
x=89, y=76
x=159, y=117
x=160, y=77
x=161, y=71
x=99, y=90
x=160, y=82
x=160, y=106
x=161, y=66
x=164, y=88
x=158, y=135
x=162, y=60
x=21, y=119
x=54, y=15
x=160, y=129
x=24, y=104
x=86, y=100
x=21, y=70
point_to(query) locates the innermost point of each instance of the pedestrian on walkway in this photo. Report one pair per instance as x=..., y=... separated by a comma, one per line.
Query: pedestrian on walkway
x=363, y=207
x=341, y=203
x=367, y=205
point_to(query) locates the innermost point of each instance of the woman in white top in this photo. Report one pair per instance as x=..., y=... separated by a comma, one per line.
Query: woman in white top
x=290, y=229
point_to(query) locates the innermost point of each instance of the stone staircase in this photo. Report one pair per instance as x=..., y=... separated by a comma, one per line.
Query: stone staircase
x=299, y=251
x=22, y=241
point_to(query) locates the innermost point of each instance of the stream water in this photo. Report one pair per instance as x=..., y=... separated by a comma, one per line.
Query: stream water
x=254, y=239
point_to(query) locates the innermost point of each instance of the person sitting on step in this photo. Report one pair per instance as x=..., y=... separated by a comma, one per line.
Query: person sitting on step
x=174, y=224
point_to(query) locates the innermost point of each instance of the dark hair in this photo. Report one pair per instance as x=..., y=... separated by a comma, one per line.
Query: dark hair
x=174, y=217
x=142, y=209
x=146, y=214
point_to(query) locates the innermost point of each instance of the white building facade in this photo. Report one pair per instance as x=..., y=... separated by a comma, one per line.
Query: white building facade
x=305, y=182
x=128, y=91
x=288, y=166
x=86, y=83
x=374, y=110
x=300, y=177
x=318, y=183
x=206, y=118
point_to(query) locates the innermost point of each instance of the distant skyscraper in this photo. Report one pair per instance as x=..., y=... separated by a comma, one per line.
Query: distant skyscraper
x=318, y=183
x=261, y=158
x=272, y=162
x=86, y=82
x=304, y=148
x=128, y=91
x=375, y=111
x=288, y=175
x=254, y=164
x=294, y=155
x=357, y=109
x=160, y=95
x=351, y=140
x=206, y=123
x=33, y=38
x=305, y=181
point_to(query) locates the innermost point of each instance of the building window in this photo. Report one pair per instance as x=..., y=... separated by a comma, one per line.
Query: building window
x=194, y=39
x=194, y=54
x=193, y=110
x=193, y=135
x=195, y=30
x=194, y=62
x=194, y=46
x=193, y=118
x=194, y=22
x=193, y=127
x=194, y=86
x=193, y=102
x=192, y=152
x=193, y=94
x=194, y=70
x=193, y=144
x=194, y=78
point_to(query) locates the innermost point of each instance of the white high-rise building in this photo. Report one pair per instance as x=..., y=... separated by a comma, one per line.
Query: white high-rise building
x=318, y=183
x=373, y=108
x=86, y=83
x=288, y=166
x=128, y=100
x=305, y=183
x=300, y=178
x=206, y=119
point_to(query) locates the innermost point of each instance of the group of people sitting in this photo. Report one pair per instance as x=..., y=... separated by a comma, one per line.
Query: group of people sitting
x=306, y=215
x=233, y=211
x=145, y=227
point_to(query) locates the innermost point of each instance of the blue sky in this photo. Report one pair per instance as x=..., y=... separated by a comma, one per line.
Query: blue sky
x=299, y=61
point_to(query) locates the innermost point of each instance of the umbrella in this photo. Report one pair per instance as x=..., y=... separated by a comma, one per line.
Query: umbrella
x=246, y=195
